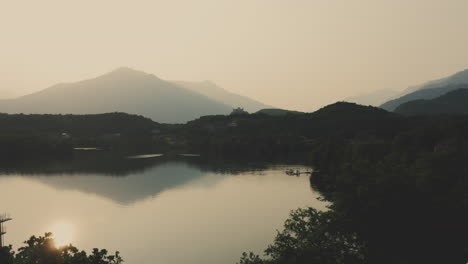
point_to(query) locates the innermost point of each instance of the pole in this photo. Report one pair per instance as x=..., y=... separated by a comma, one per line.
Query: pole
x=3, y=218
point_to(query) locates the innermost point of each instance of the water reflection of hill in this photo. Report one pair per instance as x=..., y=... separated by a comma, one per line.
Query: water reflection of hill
x=124, y=180
x=105, y=174
x=111, y=164
x=83, y=162
x=129, y=188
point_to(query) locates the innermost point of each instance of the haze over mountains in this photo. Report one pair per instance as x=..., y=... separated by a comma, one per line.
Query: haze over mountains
x=217, y=93
x=134, y=92
x=442, y=96
x=374, y=98
x=429, y=90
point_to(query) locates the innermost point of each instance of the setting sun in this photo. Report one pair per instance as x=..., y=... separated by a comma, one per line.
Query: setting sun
x=62, y=233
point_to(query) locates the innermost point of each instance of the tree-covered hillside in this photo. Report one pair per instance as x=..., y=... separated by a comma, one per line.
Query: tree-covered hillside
x=56, y=135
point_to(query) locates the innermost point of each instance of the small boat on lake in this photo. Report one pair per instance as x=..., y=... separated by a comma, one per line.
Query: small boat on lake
x=292, y=172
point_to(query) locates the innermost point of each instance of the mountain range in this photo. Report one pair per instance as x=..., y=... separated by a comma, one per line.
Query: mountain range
x=429, y=90
x=135, y=92
x=453, y=102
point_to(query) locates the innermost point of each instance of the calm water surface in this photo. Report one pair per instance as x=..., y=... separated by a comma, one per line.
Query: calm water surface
x=157, y=211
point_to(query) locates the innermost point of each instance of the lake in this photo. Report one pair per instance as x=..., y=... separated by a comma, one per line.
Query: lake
x=153, y=210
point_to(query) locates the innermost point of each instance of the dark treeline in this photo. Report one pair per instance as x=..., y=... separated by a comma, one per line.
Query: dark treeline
x=256, y=135
x=291, y=135
x=23, y=136
x=42, y=250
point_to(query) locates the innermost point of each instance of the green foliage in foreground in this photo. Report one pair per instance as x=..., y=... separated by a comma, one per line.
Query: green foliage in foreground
x=42, y=250
x=311, y=236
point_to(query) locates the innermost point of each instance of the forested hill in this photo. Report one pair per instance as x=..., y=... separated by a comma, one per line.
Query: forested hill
x=224, y=135
x=76, y=125
x=454, y=102
x=253, y=135
x=265, y=135
x=256, y=135
x=41, y=136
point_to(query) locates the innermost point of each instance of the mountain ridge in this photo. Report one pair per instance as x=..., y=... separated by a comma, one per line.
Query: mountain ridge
x=121, y=90
x=423, y=94
x=453, y=102
x=213, y=91
x=429, y=90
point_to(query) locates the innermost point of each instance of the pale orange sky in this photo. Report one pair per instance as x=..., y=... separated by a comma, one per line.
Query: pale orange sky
x=295, y=54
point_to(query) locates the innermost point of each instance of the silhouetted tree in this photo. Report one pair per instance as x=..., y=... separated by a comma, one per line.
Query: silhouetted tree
x=239, y=111
x=312, y=236
x=42, y=250
x=6, y=255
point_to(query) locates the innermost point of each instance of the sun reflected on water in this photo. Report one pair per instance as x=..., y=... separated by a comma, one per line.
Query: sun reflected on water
x=63, y=233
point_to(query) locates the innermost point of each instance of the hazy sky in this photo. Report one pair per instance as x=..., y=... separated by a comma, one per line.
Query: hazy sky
x=297, y=54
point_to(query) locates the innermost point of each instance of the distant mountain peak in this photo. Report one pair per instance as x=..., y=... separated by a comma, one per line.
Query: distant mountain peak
x=125, y=70
x=128, y=90
x=128, y=73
